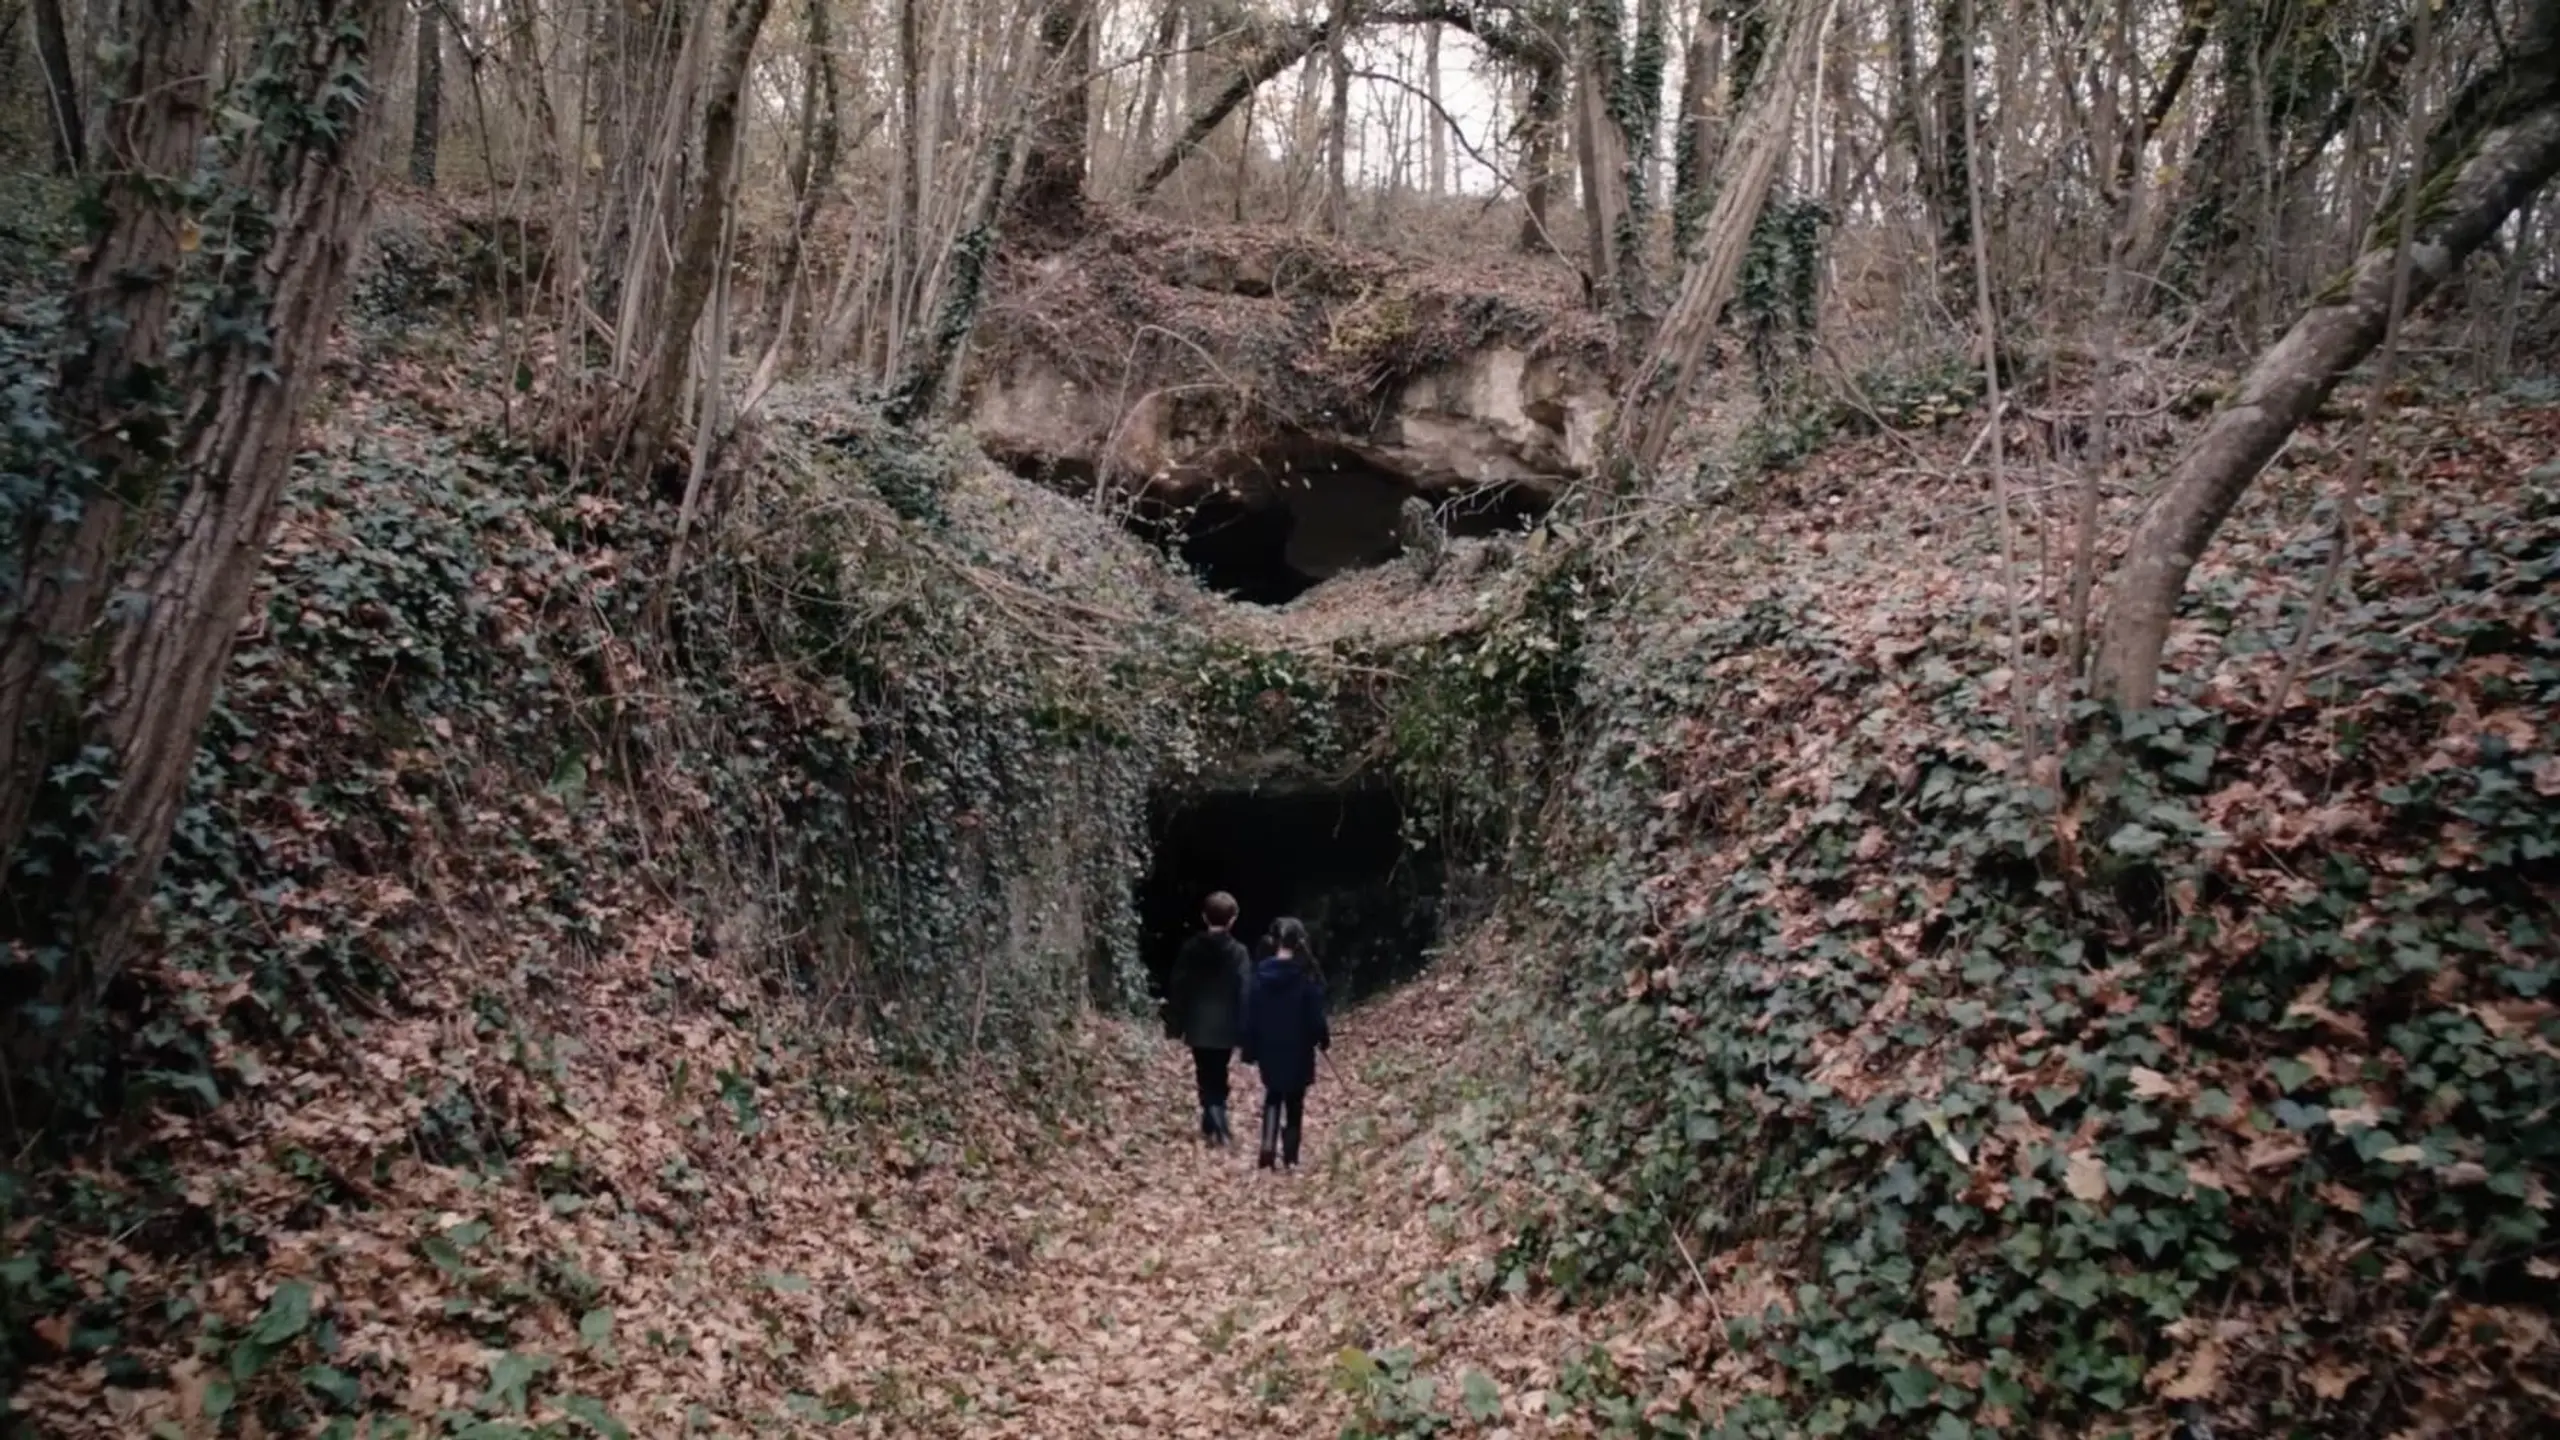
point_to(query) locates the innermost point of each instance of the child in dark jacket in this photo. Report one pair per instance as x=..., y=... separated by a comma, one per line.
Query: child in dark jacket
x=1284, y=1027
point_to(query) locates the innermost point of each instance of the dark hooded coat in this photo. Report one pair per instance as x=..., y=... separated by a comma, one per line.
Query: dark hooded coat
x=1284, y=1024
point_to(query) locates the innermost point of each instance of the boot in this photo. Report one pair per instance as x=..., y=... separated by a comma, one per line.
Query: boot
x=1219, y=1135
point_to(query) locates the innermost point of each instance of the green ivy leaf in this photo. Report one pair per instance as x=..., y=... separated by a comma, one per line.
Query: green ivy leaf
x=2136, y=841
x=597, y=1418
x=288, y=1312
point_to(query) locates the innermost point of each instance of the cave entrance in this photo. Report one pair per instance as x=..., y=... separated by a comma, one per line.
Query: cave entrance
x=1290, y=519
x=1336, y=859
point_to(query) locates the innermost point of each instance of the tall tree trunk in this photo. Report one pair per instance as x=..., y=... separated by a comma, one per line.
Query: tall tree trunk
x=533, y=88
x=919, y=390
x=427, y=115
x=1337, y=145
x=1700, y=140
x=181, y=472
x=1906, y=125
x=1541, y=121
x=2500, y=142
x=1052, y=191
x=646, y=424
x=814, y=168
x=1660, y=394
x=61, y=88
x=1438, y=152
x=1951, y=179
x=1142, y=135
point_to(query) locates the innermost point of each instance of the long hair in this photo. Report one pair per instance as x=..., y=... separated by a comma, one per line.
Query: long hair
x=1290, y=934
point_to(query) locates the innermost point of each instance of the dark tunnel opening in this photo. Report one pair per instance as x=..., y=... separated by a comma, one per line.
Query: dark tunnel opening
x=1297, y=523
x=1336, y=860
x=1293, y=517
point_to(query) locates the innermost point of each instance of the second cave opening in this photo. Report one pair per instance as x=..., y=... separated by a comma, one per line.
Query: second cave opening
x=1293, y=520
x=1336, y=859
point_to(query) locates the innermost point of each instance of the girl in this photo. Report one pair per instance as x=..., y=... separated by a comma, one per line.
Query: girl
x=1284, y=1027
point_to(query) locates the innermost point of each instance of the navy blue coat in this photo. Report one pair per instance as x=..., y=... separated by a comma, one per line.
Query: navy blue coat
x=1284, y=1024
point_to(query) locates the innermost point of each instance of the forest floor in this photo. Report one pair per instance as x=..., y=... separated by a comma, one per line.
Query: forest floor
x=1159, y=1288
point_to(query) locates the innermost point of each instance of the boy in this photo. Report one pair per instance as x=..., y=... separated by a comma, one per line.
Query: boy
x=1208, y=984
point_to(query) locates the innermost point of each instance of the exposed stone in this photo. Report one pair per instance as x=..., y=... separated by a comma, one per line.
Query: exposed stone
x=1352, y=375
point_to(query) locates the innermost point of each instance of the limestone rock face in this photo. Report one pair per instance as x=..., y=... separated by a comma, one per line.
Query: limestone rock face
x=1178, y=364
x=1497, y=416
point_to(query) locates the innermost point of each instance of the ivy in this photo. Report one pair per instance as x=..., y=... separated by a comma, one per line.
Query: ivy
x=2036, y=1099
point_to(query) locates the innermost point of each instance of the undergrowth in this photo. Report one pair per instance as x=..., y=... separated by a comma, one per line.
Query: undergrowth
x=1971, y=1091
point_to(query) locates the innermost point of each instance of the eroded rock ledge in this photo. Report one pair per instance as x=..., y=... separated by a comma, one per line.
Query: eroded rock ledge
x=1175, y=363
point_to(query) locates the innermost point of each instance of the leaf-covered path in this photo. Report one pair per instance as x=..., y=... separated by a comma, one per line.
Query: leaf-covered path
x=1155, y=1288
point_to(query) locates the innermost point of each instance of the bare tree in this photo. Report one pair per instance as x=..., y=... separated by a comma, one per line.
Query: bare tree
x=653, y=411
x=2499, y=143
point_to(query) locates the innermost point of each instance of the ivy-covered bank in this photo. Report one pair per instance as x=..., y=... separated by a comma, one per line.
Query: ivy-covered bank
x=2201, y=1074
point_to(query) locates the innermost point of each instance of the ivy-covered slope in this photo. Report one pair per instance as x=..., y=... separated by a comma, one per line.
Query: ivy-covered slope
x=540, y=935
x=1957, y=1101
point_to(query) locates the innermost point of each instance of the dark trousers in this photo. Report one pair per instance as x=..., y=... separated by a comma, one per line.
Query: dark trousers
x=1209, y=1068
x=1283, y=1118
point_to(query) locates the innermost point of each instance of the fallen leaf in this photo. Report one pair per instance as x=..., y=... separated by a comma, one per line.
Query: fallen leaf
x=2085, y=1176
x=2331, y=1380
x=2200, y=1377
x=2150, y=1084
x=2275, y=1152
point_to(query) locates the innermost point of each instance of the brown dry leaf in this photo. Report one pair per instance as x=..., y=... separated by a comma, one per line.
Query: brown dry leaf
x=2150, y=1084
x=2275, y=1152
x=1946, y=1303
x=2197, y=1377
x=2085, y=1176
x=2332, y=1379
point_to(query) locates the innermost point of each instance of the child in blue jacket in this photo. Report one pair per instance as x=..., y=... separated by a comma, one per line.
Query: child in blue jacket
x=1284, y=1027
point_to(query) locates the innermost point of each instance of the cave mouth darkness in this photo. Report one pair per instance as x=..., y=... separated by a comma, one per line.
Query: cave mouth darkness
x=1336, y=859
x=1290, y=521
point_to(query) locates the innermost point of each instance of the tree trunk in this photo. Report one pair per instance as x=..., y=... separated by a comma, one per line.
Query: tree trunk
x=1906, y=127
x=2195, y=27
x=1700, y=140
x=61, y=88
x=1337, y=189
x=1660, y=394
x=814, y=169
x=427, y=113
x=646, y=424
x=1265, y=64
x=1142, y=135
x=533, y=88
x=184, y=471
x=919, y=391
x=1052, y=191
x=2501, y=144
x=1540, y=122
x=1438, y=152
x=1951, y=179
